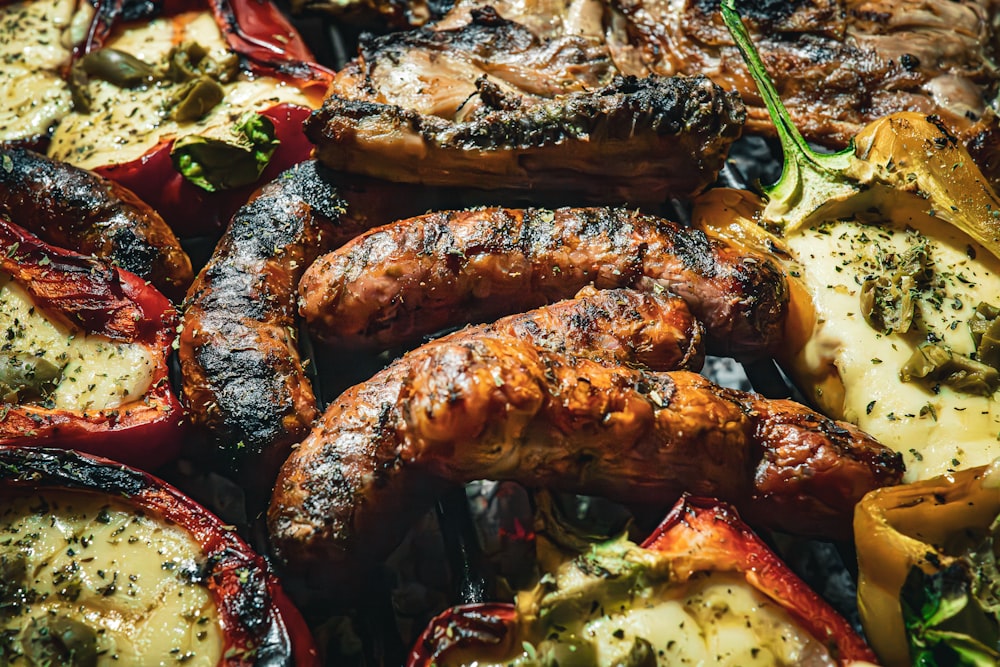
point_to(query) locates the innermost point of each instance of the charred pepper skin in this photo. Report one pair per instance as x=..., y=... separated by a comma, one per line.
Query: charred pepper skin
x=261, y=626
x=709, y=536
x=106, y=300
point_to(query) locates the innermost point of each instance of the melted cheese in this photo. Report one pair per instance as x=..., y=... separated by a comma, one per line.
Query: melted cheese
x=36, y=40
x=97, y=372
x=124, y=124
x=936, y=431
x=713, y=619
x=130, y=578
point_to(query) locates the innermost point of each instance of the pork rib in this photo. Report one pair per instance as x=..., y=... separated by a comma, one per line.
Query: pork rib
x=488, y=105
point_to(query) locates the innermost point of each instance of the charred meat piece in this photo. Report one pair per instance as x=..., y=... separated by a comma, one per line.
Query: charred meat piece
x=243, y=377
x=838, y=65
x=489, y=105
x=79, y=210
x=495, y=407
x=414, y=277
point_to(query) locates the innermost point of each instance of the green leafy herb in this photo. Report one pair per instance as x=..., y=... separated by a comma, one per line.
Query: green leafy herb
x=945, y=625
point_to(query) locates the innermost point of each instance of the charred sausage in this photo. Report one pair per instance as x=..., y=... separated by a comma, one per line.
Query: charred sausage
x=79, y=210
x=414, y=277
x=497, y=407
x=243, y=379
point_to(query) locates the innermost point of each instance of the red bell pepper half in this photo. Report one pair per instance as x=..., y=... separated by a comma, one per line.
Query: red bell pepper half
x=101, y=299
x=268, y=45
x=260, y=625
x=699, y=535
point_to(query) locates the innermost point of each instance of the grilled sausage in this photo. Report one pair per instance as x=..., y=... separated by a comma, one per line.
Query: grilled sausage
x=497, y=407
x=243, y=379
x=79, y=210
x=402, y=281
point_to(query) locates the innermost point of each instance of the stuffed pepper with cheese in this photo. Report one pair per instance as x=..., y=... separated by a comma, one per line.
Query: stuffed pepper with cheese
x=702, y=589
x=83, y=355
x=103, y=565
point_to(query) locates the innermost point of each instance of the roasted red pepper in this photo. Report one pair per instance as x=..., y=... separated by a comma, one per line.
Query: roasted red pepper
x=698, y=537
x=95, y=299
x=267, y=45
x=243, y=615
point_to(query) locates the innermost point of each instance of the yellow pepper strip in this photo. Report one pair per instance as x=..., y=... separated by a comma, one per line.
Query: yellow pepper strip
x=923, y=524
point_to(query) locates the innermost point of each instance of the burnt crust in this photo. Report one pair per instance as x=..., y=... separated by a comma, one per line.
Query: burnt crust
x=76, y=209
x=243, y=378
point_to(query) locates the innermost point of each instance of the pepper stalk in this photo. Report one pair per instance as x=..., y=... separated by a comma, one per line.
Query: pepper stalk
x=904, y=156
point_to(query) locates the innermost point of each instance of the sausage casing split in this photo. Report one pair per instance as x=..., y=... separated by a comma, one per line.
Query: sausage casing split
x=414, y=277
x=496, y=407
x=243, y=379
x=79, y=210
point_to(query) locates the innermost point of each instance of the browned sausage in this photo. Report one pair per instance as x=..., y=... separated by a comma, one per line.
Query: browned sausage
x=655, y=330
x=402, y=281
x=242, y=373
x=79, y=210
x=497, y=407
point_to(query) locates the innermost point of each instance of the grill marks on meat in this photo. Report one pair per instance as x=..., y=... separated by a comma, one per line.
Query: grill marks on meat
x=496, y=407
x=409, y=279
x=492, y=106
x=243, y=376
x=76, y=209
x=837, y=65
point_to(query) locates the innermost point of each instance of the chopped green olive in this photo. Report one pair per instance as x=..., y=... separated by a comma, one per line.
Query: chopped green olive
x=117, y=67
x=887, y=299
x=25, y=377
x=13, y=583
x=190, y=60
x=985, y=327
x=939, y=364
x=229, y=160
x=196, y=99
x=57, y=640
x=641, y=655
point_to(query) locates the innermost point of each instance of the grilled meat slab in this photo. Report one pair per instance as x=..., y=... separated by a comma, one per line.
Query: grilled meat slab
x=498, y=407
x=397, y=283
x=838, y=65
x=489, y=105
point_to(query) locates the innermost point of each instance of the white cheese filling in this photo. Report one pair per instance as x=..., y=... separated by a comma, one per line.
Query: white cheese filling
x=123, y=124
x=36, y=40
x=132, y=581
x=935, y=428
x=713, y=619
x=97, y=372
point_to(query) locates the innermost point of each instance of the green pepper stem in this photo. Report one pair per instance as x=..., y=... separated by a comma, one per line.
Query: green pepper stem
x=802, y=166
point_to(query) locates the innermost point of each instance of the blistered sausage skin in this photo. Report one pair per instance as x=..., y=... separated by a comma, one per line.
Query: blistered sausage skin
x=76, y=209
x=414, y=277
x=243, y=380
x=498, y=407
